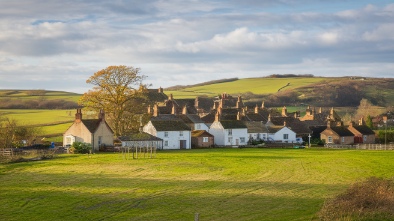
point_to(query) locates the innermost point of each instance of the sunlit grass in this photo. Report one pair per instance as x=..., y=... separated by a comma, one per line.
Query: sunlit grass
x=219, y=184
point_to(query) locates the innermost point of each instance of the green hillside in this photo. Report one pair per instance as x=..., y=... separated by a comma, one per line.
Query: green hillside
x=240, y=86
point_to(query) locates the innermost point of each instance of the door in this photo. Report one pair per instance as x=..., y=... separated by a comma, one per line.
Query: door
x=182, y=144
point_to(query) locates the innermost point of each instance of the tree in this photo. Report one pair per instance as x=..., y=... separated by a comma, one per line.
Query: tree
x=369, y=122
x=115, y=91
x=367, y=108
x=12, y=133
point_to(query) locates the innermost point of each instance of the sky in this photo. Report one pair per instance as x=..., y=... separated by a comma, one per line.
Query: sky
x=58, y=45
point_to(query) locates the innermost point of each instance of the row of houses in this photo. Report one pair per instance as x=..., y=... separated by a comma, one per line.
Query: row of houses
x=224, y=121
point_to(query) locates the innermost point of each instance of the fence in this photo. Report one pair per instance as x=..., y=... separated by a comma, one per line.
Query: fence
x=361, y=146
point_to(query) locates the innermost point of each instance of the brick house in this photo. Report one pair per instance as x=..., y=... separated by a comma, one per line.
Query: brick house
x=362, y=133
x=337, y=135
x=201, y=138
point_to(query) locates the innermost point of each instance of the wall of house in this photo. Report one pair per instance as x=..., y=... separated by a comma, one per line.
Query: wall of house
x=106, y=137
x=335, y=138
x=173, y=139
x=198, y=142
x=201, y=126
x=217, y=131
x=81, y=133
x=150, y=129
x=279, y=136
x=257, y=136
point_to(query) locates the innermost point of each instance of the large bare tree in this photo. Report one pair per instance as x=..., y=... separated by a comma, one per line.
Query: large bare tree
x=118, y=90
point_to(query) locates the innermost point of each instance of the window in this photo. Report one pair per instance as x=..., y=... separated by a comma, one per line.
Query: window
x=343, y=139
x=100, y=139
x=205, y=139
x=242, y=139
x=285, y=136
x=181, y=133
x=258, y=137
x=230, y=140
x=230, y=132
x=264, y=136
x=329, y=139
x=166, y=134
x=198, y=126
x=166, y=143
x=365, y=138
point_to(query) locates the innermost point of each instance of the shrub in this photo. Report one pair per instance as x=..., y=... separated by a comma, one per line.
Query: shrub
x=80, y=147
x=372, y=199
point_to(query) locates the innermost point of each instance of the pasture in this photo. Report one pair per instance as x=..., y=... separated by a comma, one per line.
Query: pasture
x=218, y=184
x=254, y=85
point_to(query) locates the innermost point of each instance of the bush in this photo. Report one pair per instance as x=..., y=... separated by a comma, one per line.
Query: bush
x=80, y=147
x=369, y=200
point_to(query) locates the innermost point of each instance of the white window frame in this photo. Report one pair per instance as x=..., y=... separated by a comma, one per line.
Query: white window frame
x=166, y=143
x=343, y=139
x=285, y=136
x=205, y=139
x=242, y=139
x=165, y=133
x=365, y=137
x=181, y=133
x=230, y=132
x=329, y=139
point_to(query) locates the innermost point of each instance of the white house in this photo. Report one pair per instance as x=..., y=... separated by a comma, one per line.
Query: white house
x=229, y=133
x=256, y=131
x=281, y=134
x=174, y=133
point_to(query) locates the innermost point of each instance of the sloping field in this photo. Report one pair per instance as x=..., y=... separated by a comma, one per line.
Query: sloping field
x=38, y=117
x=39, y=94
x=254, y=85
x=218, y=184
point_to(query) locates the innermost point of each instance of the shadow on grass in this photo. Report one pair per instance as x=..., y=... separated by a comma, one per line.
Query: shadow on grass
x=76, y=196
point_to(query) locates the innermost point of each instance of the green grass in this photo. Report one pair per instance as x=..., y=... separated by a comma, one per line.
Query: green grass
x=254, y=85
x=33, y=116
x=50, y=95
x=219, y=184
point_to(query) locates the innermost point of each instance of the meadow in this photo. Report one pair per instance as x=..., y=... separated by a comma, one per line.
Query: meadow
x=218, y=184
x=254, y=85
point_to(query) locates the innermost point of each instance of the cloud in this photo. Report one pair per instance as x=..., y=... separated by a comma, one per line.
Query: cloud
x=62, y=43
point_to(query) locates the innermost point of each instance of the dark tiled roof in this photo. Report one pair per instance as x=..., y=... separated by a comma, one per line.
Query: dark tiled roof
x=139, y=137
x=170, y=125
x=255, y=117
x=194, y=118
x=274, y=129
x=154, y=95
x=256, y=127
x=209, y=118
x=341, y=131
x=232, y=124
x=201, y=133
x=91, y=124
x=364, y=129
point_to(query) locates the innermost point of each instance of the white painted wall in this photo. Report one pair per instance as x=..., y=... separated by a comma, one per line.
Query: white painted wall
x=278, y=136
x=201, y=126
x=223, y=138
x=171, y=139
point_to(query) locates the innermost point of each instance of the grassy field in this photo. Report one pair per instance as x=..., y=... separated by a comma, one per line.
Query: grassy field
x=254, y=85
x=34, y=117
x=219, y=184
x=30, y=94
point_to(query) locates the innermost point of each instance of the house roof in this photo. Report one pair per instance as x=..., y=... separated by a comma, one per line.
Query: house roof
x=170, y=125
x=364, y=129
x=341, y=131
x=93, y=124
x=139, y=137
x=156, y=96
x=201, y=133
x=274, y=129
x=191, y=118
x=232, y=124
x=256, y=127
x=299, y=127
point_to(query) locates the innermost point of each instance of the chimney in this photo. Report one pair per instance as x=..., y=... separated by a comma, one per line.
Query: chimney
x=101, y=115
x=171, y=97
x=184, y=110
x=239, y=102
x=215, y=105
x=196, y=102
x=155, y=110
x=320, y=110
x=219, y=110
x=295, y=114
x=361, y=122
x=78, y=116
x=351, y=124
x=269, y=117
x=149, y=109
x=174, y=110
x=239, y=115
x=284, y=123
x=221, y=103
x=160, y=90
x=256, y=109
x=284, y=111
x=262, y=105
x=217, y=116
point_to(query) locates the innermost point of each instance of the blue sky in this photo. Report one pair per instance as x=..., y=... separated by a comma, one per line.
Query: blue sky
x=58, y=45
